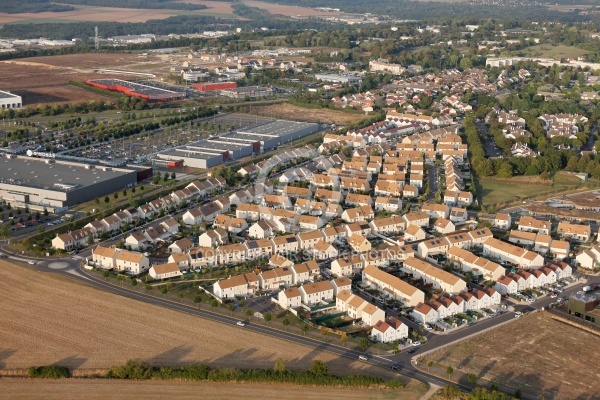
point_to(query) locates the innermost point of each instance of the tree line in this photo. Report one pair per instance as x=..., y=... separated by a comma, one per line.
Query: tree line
x=32, y=6
x=317, y=374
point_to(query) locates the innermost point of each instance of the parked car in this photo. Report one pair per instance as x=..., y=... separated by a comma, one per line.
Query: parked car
x=241, y=323
x=362, y=357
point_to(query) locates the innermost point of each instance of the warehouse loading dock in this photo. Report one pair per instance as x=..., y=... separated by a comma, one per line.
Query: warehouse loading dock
x=263, y=137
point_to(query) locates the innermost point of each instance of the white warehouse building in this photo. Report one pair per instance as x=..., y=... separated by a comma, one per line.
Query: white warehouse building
x=9, y=100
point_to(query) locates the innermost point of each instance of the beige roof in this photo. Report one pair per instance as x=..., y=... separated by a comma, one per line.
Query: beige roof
x=291, y=293
x=534, y=223
x=234, y=281
x=423, y=308
x=416, y=216
x=502, y=217
x=231, y=248
x=317, y=287
x=105, y=251
x=130, y=256
x=344, y=295
x=322, y=246
x=413, y=230
x=559, y=244
x=480, y=233
x=165, y=268
x=390, y=280
x=573, y=229
x=522, y=235
x=279, y=240
x=311, y=235
x=342, y=281
x=430, y=270
x=435, y=207
x=178, y=257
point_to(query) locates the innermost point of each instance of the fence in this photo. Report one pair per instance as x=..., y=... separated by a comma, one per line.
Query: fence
x=572, y=320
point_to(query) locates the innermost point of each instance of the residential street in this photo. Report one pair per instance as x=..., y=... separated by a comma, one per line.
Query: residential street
x=70, y=267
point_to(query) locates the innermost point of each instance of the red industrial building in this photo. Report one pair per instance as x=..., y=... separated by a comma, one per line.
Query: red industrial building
x=149, y=93
x=211, y=86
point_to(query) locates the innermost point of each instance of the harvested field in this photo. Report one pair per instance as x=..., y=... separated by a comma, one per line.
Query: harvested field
x=292, y=112
x=83, y=13
x=41, y=80
x=535, y=353
x=290, y=11
x=102, y=389
x=48, y=319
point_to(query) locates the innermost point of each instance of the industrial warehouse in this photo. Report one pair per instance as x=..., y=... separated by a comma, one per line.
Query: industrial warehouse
x=149, y=93
x=56, y=184
x=212, y=152
x=9, y=100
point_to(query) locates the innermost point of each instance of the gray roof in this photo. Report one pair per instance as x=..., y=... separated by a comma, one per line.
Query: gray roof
x=58, y=176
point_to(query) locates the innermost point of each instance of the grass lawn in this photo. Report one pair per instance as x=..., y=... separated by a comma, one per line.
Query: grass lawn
x=556, y=52
x=492, y=192
x=496, y=192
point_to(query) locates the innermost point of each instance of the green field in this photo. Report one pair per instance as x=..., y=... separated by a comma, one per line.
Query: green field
x=556, y=52
x=497, y=193
x=492, y=192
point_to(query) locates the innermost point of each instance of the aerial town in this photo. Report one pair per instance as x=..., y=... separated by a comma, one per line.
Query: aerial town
x=300, y=198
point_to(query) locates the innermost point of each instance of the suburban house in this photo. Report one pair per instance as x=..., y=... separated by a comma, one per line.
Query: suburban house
x=581, y=233
x=414, y=233
x=131, y=262
x=529, y=224
x=502, y=221
x=214, y=237
x=104, y=257
x=497, y=249
x=444, y=226
x=316, y=293
x=289, y=298
x=341, y=283
x=346, y=265
x=434, y=275
x=262, y=230
x=238, y=285
x=164, y=271
x=390, y=330
x=359, y=243
x=181, y=246
x=358, y=308
x=275, y=278
x=392, y=286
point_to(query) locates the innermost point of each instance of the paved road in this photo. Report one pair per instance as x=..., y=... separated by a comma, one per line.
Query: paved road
x=434, y=180
x=491, y=150
x=70, y=266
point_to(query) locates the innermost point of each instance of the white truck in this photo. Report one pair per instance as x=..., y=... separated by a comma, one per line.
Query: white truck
x=586, y=289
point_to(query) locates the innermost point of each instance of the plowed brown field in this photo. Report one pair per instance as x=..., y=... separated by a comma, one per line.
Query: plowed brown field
x=48, y=319
x=92, y=389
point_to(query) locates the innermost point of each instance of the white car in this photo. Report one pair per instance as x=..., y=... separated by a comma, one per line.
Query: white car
x=240, y=323
x=31, y=262
x=428, y=327
x=553, y=296
x=417, y=343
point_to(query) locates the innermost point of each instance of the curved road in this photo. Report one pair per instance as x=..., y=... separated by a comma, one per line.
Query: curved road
x=69, y=266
